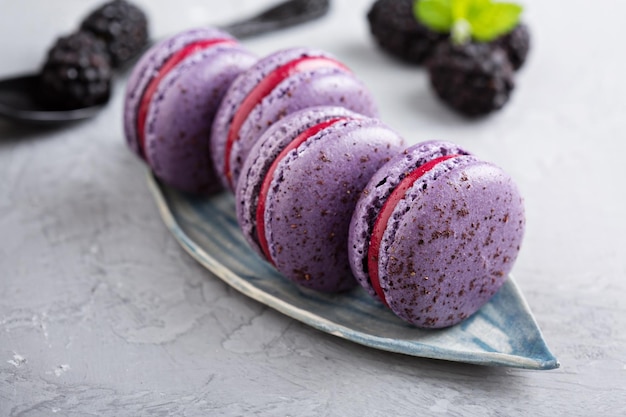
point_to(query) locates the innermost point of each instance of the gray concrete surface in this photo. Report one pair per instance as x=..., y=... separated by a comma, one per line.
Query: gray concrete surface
x=103, y=314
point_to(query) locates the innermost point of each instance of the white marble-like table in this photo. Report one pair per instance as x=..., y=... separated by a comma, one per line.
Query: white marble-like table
x=103, y=314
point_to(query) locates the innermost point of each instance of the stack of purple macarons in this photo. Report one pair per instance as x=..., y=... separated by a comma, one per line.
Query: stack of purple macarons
x=325, y=191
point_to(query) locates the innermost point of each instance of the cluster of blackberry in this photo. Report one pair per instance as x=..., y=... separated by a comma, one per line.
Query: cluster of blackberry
x=473, y=78
x=78, y=68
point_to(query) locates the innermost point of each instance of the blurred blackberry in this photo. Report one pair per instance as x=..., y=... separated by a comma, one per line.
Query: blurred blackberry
x=474, y=78
x=77, y=72
x=516, y=44
x=397, y=31
x=122, y=26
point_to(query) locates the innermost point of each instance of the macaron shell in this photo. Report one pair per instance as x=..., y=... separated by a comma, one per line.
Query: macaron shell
x=453, y=242
x=239, y=90
x=352, y=94
x=180, y=117
x=147, y=67
x=376, y=192
x=327, y=86
x=313, y=194
x=263, y=153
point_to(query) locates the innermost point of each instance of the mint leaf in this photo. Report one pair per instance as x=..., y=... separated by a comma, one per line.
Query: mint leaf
x=494, y=20
x=461, y=31
x=459, y=9
x=483, y=20
x=434, y=14
x=473, y=7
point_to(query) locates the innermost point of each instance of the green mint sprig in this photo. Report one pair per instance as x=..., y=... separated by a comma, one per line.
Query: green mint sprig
x=482, y=20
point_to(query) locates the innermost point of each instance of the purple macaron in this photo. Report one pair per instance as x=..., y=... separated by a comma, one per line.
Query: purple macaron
x=436, y=233
x=171, y=99
x=277, y=85
x=298, y=188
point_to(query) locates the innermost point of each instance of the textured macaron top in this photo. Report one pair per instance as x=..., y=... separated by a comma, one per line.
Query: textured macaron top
x=311, y=193
x=172, y=98
x=148, y=67
x=277, y=85
x=449, y=239
x=264, y=154
x=380, y=186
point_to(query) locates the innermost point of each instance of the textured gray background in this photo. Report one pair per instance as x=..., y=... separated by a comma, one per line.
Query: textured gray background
x=102, y=313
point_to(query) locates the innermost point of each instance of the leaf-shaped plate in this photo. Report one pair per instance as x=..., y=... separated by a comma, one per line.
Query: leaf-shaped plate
x=502, y=333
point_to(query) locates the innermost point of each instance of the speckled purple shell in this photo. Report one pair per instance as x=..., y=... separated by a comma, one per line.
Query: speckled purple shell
x=181, y=114
x=322, y=86
x=449, y=245
x=313, y=193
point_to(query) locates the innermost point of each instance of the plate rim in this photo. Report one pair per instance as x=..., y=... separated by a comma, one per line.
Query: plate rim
x=336, y=329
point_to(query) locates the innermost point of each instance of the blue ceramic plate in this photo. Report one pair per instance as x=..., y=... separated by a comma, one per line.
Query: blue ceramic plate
x=502, y=333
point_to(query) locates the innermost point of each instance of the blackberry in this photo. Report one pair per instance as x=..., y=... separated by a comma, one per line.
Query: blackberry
x=516, y=44
x=122, y=26
x=77, y=73
x=473, y=78
x=397, y=31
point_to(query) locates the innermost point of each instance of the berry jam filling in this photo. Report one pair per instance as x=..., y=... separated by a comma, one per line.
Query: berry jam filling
x=165, y=69
x=269, y=175
x=264, y=88
x=384, y=215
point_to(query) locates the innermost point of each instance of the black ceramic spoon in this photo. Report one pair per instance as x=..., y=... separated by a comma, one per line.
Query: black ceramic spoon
x=18, y=95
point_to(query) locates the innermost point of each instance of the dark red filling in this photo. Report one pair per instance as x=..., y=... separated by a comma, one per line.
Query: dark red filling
x=384, y=215
x=151, y=88
x=269, y=175
x=264, y=88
